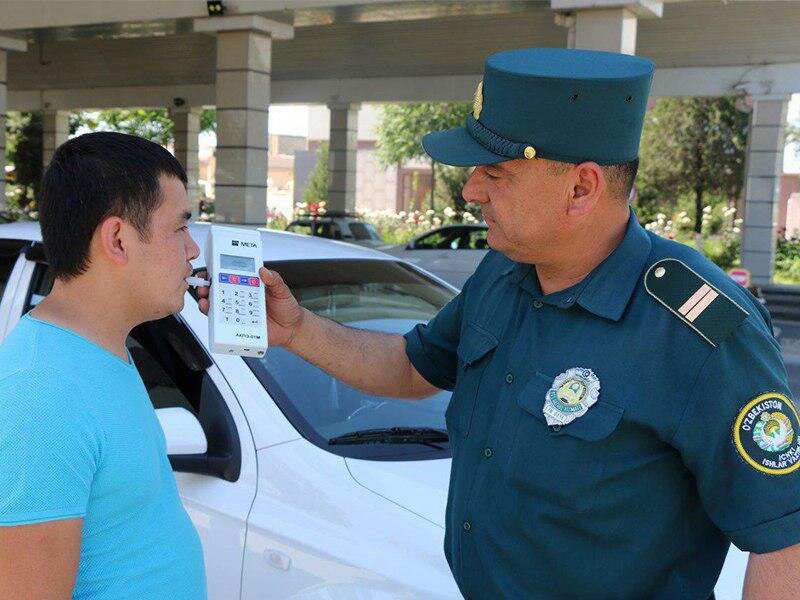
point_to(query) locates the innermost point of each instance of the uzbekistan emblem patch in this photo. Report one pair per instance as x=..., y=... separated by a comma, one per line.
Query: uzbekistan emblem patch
x=766, y=434
x=571, y=395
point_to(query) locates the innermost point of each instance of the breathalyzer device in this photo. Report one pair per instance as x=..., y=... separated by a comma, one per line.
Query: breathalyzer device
x=237, y=314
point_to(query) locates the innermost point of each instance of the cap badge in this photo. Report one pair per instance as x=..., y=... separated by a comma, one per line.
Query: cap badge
x=477, y=104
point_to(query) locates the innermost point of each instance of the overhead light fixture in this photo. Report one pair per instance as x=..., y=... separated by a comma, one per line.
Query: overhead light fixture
x=215, y=8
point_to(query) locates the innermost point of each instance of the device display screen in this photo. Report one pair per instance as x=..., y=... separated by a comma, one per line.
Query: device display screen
x=239, y=263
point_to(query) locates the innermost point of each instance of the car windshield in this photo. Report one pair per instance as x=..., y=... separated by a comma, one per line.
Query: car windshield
x=378, y=295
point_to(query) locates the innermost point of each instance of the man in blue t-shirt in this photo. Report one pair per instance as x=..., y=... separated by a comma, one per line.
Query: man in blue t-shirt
x=89, y=507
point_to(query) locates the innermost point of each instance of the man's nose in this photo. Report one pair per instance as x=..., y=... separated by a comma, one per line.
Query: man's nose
x=193, y=250
x=474, y=189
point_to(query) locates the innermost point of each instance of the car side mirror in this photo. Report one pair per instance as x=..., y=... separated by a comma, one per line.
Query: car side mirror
x=182, y=430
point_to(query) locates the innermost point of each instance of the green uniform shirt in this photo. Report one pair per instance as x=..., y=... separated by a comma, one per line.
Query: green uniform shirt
x=691, y=441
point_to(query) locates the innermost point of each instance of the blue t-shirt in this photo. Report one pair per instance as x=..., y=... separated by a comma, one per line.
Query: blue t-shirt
x=79, y=438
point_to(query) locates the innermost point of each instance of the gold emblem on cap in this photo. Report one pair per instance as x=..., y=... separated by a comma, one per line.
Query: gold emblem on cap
x=530, y=152
x=477, y=104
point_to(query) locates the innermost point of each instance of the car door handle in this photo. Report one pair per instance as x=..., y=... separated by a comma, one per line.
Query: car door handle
x=277, y=559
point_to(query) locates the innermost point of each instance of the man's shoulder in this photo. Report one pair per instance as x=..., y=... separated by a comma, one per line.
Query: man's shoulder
x=18, y=351
x=29, y=371
x=695, y=292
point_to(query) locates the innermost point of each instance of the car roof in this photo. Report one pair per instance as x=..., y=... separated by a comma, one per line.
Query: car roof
x=455, y=226
x=277, y=245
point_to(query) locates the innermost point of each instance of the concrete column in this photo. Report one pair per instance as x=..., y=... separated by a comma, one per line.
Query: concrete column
x=244, y=60
x=608, y=25
x=6, y=44
x=763, y=168
x=186, y=132
x=342, y=157
x=55, y=131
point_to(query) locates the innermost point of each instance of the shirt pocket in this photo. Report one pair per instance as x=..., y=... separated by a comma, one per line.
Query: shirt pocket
x=563, y=464
x=473, y=357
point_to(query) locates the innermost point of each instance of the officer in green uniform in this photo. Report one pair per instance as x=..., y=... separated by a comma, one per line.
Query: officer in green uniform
x=620, y=411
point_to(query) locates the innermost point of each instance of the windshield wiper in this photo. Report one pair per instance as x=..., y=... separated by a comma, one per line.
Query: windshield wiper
x=426, y=436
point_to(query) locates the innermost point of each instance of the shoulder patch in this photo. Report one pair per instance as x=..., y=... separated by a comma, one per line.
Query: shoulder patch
x=765, y=434
x=706, y=309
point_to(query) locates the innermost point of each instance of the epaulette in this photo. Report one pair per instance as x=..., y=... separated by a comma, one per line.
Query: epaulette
x=696, y=302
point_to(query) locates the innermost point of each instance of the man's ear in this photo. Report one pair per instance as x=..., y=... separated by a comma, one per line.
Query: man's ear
x=588, y=186
x=112, y=237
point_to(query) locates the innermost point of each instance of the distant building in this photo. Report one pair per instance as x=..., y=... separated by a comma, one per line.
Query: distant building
x=396, y=188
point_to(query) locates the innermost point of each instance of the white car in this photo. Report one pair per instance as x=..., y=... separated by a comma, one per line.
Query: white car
x=452, y=252
x=288, y=502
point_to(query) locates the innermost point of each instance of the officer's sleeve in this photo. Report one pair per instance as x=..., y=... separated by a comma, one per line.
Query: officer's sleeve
x=49, y=450
x=432, y=348
x=739, y=435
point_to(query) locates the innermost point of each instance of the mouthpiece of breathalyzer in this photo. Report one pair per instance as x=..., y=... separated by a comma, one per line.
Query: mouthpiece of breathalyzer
x=197, y=282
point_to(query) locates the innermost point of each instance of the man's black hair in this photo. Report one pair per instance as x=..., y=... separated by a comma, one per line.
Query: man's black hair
x=620, y=177
x=92, y=177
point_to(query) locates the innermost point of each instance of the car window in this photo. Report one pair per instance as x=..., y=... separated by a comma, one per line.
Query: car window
x=164, y=392
x=359, y=231
x=477, y=239
x=373, y=232
x=9, y=252
x=377, y=295
x=439, y=240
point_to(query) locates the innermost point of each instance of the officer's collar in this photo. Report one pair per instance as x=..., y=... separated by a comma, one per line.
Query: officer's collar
x=607, y=290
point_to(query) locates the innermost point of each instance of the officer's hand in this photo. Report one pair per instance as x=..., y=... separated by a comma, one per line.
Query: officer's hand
x=284, y=313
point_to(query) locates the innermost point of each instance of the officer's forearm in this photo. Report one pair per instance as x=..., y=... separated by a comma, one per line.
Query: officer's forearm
x=373, y=362
x=773, y=575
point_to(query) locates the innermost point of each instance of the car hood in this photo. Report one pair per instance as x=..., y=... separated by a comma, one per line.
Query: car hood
x=417, y=485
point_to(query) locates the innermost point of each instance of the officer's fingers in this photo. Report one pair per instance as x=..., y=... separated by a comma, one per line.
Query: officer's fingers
x=202, y=304
x=202, y=291
x=274, y=284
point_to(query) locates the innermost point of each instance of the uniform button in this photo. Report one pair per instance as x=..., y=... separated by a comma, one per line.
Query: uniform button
x=510, y=378
x=556, y=428
x=537, y=304
x=467, y=525
x=488, y=453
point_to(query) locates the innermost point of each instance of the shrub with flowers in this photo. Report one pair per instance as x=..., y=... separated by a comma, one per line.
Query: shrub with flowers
x=720, y=233
x=20, y=204
x=276, y=219
x=310, y=209
x=400, y=228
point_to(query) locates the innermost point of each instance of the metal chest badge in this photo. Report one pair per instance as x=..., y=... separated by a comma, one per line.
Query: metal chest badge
x=571, y=395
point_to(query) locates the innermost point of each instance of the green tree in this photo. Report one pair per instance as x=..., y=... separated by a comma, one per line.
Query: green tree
x=400, y=130
x=692, y=147
x=316, y=189
x=24, y=151
x=24, y=136
x=152, y=124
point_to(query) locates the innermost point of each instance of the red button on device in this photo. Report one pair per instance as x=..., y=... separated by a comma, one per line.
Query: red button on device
x=254, y=281
x=234, y=279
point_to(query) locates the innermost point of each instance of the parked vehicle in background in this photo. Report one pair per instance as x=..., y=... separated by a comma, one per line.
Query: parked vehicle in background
x=451, y=252
x=342, y=227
